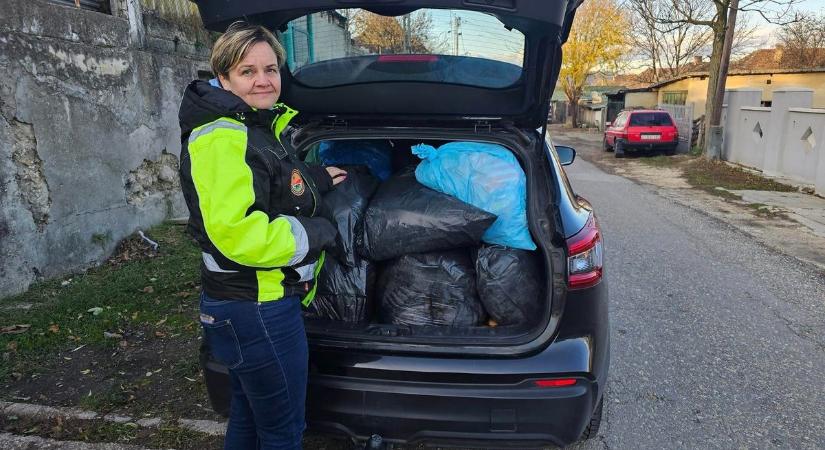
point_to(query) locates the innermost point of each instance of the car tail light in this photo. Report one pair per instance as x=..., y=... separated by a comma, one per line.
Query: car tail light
x=585, y=254
x=556, y=382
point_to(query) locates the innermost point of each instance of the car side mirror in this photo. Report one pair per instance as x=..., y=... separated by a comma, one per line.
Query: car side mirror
x=566, y=154
x=608, y=124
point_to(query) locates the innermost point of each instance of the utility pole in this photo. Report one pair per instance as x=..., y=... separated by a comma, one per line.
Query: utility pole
x=407, y=44
x=456, y=34
x=715, y=128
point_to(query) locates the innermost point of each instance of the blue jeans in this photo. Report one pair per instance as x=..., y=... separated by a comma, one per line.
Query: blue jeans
x=265, y=348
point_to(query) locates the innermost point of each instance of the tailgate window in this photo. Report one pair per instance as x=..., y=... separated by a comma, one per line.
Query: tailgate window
x=650, y=119
x=348, y=46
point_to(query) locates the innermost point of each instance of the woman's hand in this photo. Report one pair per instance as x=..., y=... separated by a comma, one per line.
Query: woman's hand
x=337, y=175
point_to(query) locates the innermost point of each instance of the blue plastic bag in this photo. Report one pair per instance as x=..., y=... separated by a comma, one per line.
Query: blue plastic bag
x=376, y=155
x=487, y=176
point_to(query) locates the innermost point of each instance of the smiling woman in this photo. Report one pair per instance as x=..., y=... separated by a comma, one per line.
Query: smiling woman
x=253, y=209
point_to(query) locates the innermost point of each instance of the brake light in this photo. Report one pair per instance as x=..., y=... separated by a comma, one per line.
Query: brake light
x=407, y=58
x=557, y=382
x=585, y=256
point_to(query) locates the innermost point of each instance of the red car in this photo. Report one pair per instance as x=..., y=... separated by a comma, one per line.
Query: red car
x=646, y=129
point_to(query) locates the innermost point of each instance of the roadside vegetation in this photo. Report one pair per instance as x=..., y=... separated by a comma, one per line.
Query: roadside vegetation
x=715, y=177
x=121, y=337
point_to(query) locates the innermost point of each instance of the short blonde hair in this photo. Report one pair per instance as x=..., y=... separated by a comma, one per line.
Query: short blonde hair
x=231, y=47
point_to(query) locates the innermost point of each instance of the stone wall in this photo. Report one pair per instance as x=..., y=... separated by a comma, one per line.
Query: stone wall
x=89, y=141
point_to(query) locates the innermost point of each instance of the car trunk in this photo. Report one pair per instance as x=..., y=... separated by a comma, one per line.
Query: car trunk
x=449, y=70
x=374, y=333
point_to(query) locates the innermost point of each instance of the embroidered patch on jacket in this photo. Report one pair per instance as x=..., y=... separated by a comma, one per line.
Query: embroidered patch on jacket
x=296, y=184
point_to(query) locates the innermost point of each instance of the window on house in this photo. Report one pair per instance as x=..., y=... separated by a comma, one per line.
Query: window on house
x=674, y=97
x=91, y=5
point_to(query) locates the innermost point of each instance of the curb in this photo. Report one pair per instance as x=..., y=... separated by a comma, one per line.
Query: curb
x=209, y=427
x=16, y=442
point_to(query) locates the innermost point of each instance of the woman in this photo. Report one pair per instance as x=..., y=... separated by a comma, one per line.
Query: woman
x=253, y=209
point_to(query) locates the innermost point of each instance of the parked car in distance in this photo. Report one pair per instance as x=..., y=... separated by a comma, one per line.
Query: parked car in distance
x=642, y=129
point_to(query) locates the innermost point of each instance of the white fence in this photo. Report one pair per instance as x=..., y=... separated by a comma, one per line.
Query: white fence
x=787, y=139
x=683, y=116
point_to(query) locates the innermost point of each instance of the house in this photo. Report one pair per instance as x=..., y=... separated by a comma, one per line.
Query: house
x=592, y=105
x=764, y=69
x=301, y=44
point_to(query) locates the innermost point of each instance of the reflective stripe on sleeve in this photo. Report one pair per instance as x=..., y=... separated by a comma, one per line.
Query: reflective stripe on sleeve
x=301, y=240
x=224, y=183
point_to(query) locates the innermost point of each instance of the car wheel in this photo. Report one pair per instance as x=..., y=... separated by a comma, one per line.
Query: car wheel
x=605, y=146
x=595, y=423
x=670, y=150
x=618, y=147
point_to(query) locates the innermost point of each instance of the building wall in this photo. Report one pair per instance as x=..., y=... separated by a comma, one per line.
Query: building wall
x=89, y=141
x=331, y=37
x=641, y=100
x=696, y=93
x=696, y=87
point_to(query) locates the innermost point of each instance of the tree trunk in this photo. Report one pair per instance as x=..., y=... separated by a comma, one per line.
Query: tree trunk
x=713, y=74
x=574, y=113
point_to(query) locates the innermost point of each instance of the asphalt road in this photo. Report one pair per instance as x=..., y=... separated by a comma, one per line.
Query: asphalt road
x=717, y=341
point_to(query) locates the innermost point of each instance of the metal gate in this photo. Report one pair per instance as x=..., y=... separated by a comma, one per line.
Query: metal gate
x=683, y=116
x=613, y=109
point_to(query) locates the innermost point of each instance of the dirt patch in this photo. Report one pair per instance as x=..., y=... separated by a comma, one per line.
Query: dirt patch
x=669, y=177
x=141, y=375
x=133, y=248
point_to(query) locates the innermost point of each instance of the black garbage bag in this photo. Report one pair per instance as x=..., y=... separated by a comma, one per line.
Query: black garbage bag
x=344, y=292
x=430, y=289
x=345, y=287
x=406, y=217
x=509, y=283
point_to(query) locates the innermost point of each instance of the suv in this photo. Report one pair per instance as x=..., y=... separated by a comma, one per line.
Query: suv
x=646, y=129
x=465, y=70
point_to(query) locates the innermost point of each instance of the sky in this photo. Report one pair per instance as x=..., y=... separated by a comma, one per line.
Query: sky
x=766, y=31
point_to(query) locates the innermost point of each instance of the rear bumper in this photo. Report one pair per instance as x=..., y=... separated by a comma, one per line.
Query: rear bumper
x=428, y=413
x=642, y=145
x=448, y=409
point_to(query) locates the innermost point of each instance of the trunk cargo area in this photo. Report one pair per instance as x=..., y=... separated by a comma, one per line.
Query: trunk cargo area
x=381, y=288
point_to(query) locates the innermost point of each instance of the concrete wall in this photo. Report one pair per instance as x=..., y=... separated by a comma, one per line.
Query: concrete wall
x=89, y=140
x=786, y=140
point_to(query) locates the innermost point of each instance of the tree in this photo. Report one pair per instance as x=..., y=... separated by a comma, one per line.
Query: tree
x=803, y=43
x=384, y=34
x=715, y=18
x=667, y=49
x=595, y=41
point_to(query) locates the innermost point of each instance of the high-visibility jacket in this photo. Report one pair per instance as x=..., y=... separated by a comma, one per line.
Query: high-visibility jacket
x=253, y=204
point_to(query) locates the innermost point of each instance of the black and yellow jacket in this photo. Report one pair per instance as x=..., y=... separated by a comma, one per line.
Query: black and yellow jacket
x=253, y=204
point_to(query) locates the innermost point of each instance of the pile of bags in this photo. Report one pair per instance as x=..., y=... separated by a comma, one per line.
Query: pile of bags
x=450, y=237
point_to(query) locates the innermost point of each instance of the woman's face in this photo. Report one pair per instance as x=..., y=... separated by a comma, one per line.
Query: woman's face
x=255, y=78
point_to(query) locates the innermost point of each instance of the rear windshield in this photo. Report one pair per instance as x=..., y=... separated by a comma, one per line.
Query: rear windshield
x=349, y=46
x=652, y=119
